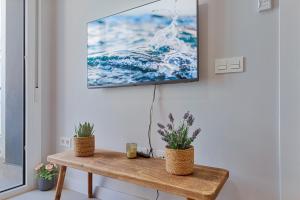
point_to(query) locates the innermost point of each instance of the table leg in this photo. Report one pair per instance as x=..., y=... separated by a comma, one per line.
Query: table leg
x=60, y=182
x=90, y=185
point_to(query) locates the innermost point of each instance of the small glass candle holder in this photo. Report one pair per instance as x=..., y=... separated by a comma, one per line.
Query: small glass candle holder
x=131, y=150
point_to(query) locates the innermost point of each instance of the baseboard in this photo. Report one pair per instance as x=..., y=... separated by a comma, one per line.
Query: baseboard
x=15, y=192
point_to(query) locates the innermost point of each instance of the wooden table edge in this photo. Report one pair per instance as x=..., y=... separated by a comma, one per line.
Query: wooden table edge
x=191, y=195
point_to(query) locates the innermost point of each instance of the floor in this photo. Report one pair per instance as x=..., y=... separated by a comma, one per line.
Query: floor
x=10, y=175
x=37, y=195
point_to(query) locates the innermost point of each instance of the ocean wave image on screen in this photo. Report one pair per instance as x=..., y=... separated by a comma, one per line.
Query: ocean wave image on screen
x=146, y=44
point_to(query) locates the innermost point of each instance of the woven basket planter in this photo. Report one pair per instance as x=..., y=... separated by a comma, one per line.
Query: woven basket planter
x=84, y=146
x=180, y=162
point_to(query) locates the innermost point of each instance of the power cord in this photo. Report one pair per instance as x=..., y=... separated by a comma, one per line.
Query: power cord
x=157, y=194
x=150, y=122
x=151, y=154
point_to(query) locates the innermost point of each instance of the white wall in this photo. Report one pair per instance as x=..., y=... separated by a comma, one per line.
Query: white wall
x=2, y=34
x=290, y=98
x=47, y=61
x=237, y=112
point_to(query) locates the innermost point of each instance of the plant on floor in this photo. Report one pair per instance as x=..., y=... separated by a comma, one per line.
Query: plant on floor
x=84, y=130
x=46, y=171
x=178, y=137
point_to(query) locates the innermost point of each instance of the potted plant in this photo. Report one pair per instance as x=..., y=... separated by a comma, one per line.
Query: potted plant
x=179, y=151
x=46, y=176
x=84, y=140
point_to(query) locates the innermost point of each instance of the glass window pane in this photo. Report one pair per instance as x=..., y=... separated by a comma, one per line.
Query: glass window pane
x=12, y=95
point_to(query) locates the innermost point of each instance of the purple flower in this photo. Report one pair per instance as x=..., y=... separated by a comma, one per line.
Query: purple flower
x=160, y=126
x=171, y=118
x=190, y=120
x=170, y=127
x=161, y=133
x=196, y=133
x=186, y=115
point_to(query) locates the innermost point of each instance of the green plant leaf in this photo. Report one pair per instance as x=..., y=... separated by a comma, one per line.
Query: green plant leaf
x=178, y=138
x=84, y=130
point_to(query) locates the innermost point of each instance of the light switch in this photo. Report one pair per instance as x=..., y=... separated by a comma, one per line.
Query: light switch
x=235, y=65
x=220, y=66
x=233, y=61
x=220, y=62
x=229, y=65
x=264, y=5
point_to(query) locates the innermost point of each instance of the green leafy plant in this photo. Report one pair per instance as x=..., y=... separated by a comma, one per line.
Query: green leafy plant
x=178, y=137
x=84, y=130
x=47, y=171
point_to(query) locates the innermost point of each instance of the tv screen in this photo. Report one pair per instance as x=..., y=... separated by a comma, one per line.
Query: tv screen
x=155, y=43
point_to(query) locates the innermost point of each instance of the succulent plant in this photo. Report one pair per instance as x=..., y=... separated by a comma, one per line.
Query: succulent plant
x=84, y=130
x=178, y=138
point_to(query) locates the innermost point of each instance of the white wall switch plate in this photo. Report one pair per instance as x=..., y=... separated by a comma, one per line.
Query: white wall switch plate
x=62, y=141
x=65, y=142
x=68, y=142
x=264, y=5
x=235, y=65
x=220, y=66
x=229, y=65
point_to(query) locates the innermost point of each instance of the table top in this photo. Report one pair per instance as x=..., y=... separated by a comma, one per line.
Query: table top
x=204, y=184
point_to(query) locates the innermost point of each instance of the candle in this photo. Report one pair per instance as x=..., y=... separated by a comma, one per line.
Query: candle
x=131, y=149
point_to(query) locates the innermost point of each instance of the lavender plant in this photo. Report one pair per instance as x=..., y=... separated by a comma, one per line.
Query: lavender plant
x=178, y=137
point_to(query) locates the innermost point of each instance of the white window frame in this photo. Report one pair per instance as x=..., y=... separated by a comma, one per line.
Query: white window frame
x=2, y=62
x=33, y=135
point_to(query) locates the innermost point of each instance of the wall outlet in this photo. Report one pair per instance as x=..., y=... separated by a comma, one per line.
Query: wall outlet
x=68, y=142
x=65, y=142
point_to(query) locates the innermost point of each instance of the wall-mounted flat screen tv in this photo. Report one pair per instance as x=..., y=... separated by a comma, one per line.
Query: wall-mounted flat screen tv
x=155, y=43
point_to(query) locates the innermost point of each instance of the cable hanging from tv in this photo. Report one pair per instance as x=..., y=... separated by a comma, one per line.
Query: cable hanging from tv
x=151, y=154
x=150, y=123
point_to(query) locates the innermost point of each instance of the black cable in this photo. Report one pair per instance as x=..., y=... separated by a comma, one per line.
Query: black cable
x=157, y=194
x=149, y=130
x=150, y=122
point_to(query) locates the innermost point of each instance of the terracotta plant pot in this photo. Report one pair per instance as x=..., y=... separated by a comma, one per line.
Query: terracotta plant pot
x=84, y=146
x=180, y=162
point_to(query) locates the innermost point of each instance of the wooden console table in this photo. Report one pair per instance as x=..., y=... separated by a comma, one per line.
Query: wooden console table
x=204, y=184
